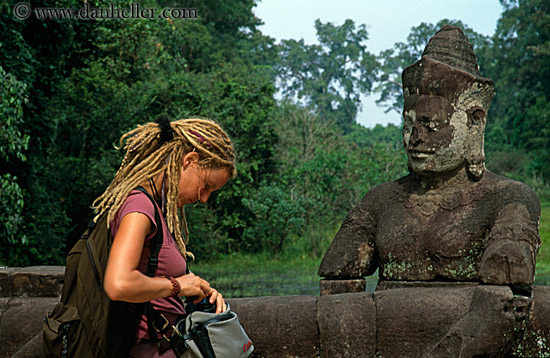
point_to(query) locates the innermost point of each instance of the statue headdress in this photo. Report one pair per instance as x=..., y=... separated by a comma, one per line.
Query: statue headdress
x=448, y=58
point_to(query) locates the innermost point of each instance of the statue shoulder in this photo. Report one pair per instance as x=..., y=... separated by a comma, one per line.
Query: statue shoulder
x=509, y=191
x=390, y=191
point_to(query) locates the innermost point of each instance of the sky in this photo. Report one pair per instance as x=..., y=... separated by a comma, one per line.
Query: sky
x=388, y=22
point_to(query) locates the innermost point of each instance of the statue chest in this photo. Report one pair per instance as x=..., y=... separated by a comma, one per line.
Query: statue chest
x=426, y=241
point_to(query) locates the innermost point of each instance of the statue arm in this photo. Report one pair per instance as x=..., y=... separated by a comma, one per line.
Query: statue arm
x=513, y=243
x=351, y=253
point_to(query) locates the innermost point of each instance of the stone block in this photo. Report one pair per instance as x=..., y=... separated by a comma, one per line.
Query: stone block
x=21, y=320
x=389, y=285
x=32, y=349
x=280, y=326
x=487, y=330
x=535, y=341
x=37, y=281
x=347, y=325
x=5, y=281
x=331, y=287
x=411, y=319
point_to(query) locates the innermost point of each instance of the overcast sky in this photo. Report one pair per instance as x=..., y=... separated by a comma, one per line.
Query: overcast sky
x=388, y=22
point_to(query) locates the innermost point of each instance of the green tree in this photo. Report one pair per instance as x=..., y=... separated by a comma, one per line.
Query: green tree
x=41, y=54
x=13, y=145
x=90, y=81
x=520, y=67
x=241, y=99
x=278, y=214
x=326, y=171
x=330, y=76
x=13, y=95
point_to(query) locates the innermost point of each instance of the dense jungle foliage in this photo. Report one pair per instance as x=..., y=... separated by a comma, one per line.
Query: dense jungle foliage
x=70, y=88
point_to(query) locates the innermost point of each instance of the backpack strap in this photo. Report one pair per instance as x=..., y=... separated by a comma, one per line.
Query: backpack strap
x=154, y=318
x=156, y=244
x=156, y=241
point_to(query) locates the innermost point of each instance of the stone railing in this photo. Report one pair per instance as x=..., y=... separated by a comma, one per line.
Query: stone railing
x=398, y=320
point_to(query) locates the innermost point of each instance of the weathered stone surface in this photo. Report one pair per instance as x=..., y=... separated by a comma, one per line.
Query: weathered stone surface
x=280, y=327
x=32, y=349
x=389, y=285
x=400, y=319
x=535, y=341
x=347, y=325
x=21, y=320
x=487, y=330
x=411, y=319
x=5, y=283
x=37, y=281
x=330, y=287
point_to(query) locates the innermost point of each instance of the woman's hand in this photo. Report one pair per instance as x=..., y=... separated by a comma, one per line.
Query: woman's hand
x=217, y=299
x=194, y=286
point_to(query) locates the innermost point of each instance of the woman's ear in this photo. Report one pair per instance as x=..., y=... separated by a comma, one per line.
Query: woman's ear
x=190, y=158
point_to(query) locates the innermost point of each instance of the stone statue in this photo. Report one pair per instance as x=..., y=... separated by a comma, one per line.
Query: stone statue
x=450, y=219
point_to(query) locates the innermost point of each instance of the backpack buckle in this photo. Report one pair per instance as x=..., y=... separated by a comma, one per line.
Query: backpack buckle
x=165, y=326
x=177, y=341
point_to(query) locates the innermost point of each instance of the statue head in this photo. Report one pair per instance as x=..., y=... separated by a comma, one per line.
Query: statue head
x=445, y=108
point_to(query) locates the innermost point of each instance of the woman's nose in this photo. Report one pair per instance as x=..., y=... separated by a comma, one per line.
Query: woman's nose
x=204, y=198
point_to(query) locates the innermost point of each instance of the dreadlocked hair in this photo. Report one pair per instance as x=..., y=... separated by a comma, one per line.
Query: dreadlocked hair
x=150, y=152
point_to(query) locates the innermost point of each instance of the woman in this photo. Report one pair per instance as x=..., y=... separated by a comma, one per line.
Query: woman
x=177, y=163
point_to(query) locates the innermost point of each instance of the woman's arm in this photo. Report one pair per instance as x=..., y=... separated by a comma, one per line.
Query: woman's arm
x=123, y=281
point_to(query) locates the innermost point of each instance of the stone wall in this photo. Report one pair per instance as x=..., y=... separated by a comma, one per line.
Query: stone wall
x=406, y=320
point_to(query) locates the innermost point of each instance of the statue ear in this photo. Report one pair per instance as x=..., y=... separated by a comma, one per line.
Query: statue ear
x=475, y=160
x=476, y=117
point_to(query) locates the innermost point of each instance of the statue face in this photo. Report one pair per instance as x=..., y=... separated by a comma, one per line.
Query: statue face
x=435, y=134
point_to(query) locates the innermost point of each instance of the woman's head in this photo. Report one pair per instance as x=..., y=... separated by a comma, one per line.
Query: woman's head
x=192, y=154
x=196, y=183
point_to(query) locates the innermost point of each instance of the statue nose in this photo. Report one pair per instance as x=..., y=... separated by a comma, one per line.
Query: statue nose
x=417, y=134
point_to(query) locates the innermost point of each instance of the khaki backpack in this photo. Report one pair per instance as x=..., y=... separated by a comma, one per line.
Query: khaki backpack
x=86, y=323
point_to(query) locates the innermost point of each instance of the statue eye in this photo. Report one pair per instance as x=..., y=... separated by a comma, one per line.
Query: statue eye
x=407, y=123
x=429, y=123
x=425, y=121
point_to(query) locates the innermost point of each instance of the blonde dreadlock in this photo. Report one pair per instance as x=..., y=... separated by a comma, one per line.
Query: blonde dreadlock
x=149, y=153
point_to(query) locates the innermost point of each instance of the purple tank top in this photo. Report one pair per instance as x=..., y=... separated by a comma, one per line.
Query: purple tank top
x=171, y=262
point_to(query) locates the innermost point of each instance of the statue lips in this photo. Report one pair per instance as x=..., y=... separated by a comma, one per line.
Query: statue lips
x=419, y=154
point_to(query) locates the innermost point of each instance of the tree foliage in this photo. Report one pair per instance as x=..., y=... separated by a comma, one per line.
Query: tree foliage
x=321, y=174
x=90, y=81
x=331, y=76
x=70, y=88
x=520, y=67
x=13, y=145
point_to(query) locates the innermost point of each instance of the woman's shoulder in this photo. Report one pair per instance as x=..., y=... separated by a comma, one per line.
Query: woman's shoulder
x=137, y=201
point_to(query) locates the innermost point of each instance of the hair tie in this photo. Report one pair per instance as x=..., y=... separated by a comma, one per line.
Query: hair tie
x=199, y=137
x=166, y=132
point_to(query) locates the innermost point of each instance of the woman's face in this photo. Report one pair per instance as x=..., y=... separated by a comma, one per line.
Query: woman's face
x=198, y=183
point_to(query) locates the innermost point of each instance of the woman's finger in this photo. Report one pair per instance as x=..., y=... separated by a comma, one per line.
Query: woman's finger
x=220, y=303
